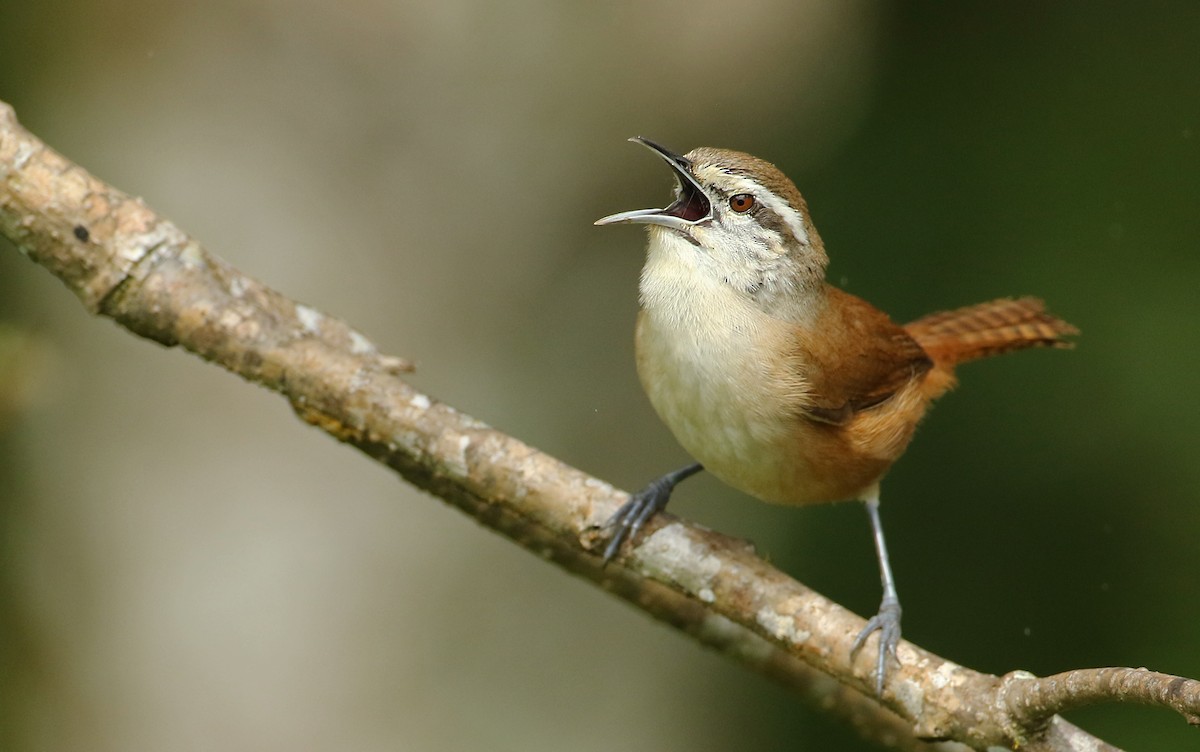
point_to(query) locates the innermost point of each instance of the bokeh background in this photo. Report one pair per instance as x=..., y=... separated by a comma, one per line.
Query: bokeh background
x=184, y=566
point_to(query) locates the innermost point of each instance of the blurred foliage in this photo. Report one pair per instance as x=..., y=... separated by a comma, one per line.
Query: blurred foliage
x=429, y=173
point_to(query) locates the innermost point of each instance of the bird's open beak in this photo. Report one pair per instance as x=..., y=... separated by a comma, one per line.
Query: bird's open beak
x=690, y=207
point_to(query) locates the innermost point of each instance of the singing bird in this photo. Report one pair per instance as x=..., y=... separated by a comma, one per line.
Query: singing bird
x=778, y=383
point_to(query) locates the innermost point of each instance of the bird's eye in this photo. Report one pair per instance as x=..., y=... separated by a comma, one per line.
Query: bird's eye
x=741, y=203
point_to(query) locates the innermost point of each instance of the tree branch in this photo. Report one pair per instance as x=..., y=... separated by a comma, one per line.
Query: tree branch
x=1032, y=701
x=126, y=262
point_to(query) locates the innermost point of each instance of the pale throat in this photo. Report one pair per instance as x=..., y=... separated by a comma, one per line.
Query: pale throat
x=693, y=286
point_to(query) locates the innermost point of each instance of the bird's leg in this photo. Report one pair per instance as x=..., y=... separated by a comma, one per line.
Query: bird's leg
x=887, y=621
x=643, y=505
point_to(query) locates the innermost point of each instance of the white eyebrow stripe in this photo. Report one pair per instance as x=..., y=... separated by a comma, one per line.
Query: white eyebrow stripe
x=784, y=210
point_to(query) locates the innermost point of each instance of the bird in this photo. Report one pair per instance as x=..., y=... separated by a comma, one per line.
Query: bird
x=775, y=381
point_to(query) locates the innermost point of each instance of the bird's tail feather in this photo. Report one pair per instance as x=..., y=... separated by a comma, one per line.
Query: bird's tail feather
x=986, y=329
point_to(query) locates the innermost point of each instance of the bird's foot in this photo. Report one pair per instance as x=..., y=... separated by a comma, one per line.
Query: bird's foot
x=633, y=514
x=887, y=624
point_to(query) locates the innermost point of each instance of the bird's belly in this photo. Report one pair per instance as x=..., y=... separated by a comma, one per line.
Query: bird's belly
x=741, y=420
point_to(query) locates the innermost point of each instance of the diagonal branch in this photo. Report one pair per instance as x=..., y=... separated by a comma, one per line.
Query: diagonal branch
x=126, y=262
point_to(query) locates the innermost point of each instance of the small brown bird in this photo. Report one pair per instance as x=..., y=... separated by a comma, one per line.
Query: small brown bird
x=778, y=383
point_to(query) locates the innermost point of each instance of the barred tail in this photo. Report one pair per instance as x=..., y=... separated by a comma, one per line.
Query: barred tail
x=986, y=329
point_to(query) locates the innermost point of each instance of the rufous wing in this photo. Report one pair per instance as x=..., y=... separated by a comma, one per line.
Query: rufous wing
x=856, y=359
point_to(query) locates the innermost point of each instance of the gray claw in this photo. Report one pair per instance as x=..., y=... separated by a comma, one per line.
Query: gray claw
x=887, y=624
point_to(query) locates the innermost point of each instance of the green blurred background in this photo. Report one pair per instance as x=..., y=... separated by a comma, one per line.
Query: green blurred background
x=184, y=566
